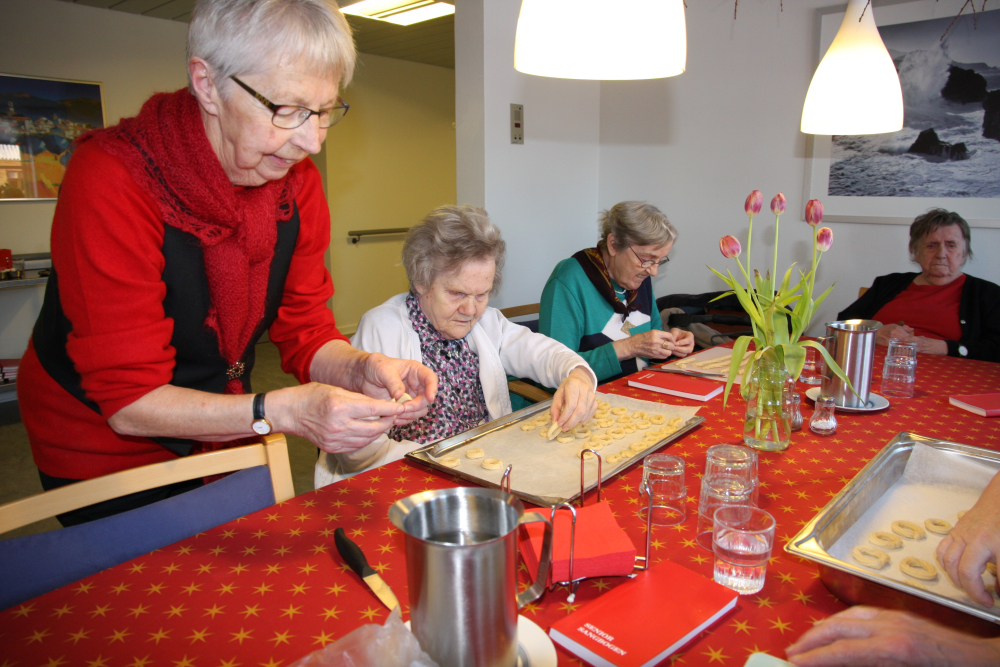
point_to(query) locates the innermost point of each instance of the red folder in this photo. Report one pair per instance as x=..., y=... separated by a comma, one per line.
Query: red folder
x=602, y=548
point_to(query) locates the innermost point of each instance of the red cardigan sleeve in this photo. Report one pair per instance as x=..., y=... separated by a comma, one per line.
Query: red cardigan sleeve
x=107, y=239
x=305, y=322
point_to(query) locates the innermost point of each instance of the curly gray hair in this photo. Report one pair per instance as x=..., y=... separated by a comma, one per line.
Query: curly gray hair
x=447, y=238
x=933, y=220
x=251, y=36
x=635, y=223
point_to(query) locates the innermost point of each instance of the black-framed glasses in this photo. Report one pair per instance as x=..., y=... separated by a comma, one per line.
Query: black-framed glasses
x=289, y=117
x=649, y=263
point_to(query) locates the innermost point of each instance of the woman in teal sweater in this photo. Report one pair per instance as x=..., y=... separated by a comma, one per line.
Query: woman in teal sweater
x=600, y=301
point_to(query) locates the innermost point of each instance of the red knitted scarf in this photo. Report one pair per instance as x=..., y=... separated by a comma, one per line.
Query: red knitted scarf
x=168, y=153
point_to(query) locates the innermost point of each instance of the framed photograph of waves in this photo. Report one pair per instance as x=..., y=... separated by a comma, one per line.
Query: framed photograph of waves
x=40, y=119
x=948, y=153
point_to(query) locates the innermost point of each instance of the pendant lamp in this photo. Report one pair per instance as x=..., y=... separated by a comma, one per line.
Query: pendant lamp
x=601, y=39
x=855, y=89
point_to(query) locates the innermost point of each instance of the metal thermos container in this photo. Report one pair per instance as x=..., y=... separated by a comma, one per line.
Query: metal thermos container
x=461, y=566
x=851, y=343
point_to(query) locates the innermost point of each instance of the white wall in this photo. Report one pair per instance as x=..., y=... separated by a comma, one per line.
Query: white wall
x=694, y=145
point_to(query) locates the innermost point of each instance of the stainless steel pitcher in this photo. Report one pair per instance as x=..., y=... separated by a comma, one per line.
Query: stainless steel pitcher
x=461, y=565
x=851, y=343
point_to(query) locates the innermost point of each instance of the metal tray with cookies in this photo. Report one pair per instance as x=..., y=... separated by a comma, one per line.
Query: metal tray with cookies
x=547, y=472
x=920, y=482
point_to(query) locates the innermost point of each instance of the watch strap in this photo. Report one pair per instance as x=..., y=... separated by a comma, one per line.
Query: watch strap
x=258, y=406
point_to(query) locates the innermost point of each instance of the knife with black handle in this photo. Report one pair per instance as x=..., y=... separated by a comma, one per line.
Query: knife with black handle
x=355, y=559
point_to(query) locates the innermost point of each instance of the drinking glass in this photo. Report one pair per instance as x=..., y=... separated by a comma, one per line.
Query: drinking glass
x=823, y=421
x=718, y=491
x=742, y=539
x=734, y=460
x=899, y=374
x=815, y=366
x=665, y=475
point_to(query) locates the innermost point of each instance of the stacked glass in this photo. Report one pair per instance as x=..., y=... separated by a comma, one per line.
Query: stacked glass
x=730, y=480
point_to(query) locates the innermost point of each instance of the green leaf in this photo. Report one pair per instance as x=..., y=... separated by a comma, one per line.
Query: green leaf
x=779, y=323
x=795, y=359
x=824, y=294
x=830, y=363
x=787, y=280
x=747, y=304
x=729, y=281
x=739, y=349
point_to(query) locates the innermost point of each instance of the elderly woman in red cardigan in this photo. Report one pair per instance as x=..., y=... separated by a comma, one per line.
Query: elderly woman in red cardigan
x=179, y=238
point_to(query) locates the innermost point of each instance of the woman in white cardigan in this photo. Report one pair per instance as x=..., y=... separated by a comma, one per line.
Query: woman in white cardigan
x=453, y=261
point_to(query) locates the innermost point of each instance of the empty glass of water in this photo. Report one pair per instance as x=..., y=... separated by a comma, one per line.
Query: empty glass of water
x=899, y=374
x=742, y=539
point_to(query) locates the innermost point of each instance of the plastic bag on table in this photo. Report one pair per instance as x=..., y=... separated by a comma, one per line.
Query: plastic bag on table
x=389, y=645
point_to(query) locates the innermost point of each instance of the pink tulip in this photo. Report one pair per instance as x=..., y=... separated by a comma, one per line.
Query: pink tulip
x=753, y=203
x=814, y=212
x=824, y=238
x=778, y=204
x=730, y=247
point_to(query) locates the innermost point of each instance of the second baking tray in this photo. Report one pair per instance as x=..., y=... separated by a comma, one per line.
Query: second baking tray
x=534, y=473
x=854, y=584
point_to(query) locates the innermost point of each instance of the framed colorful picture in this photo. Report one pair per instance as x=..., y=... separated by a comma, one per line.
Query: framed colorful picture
x=39, y=121
x=948, y=153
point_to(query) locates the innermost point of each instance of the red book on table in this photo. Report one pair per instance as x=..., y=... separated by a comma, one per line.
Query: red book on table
x=644, y=620
x=985, y=405
x=685, y=386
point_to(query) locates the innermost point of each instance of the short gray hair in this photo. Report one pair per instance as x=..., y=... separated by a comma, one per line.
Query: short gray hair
x=250, y=36
x=933, y=220
x=635, y=223
x=447, y=238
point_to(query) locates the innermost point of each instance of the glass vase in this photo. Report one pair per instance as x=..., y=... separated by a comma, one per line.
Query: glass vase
x=767, y=425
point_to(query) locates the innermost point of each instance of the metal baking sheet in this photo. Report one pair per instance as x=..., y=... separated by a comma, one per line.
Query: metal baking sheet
x=816, y=539
x=534, y=472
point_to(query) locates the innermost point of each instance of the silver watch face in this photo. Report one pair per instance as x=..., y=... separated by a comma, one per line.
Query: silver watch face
x=262, y=426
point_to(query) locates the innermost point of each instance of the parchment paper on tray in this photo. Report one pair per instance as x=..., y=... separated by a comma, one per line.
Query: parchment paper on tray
x=934, y=485
x=712, y=354
x=546, y=468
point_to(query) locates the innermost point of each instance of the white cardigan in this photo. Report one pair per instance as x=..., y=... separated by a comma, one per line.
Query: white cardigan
x=502, y=346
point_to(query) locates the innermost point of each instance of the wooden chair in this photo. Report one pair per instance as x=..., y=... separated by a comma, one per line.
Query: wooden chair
x=273, y=453
x=861, y=291
x=520, y=387
x=36, y=564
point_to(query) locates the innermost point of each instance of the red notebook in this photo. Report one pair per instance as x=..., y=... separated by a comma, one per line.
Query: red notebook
x=685, y=386
x=601, y=549
x=644, y=620
x=985, y=405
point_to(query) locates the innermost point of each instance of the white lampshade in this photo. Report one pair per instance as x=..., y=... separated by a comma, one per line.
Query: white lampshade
x=601, y=39
x=855, y=89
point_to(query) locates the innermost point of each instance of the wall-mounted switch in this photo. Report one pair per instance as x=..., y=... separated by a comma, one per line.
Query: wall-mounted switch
x=517, y=123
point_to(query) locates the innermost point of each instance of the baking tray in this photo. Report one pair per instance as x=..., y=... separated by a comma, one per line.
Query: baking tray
x=854, y=584
x=429, y=454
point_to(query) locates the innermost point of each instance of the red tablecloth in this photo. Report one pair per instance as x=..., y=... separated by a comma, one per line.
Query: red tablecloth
x=270, y=588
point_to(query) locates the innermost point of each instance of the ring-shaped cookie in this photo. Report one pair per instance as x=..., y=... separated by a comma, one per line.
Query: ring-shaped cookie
x=675, y=422
x=565, y=437
x=582, y=432
x=606, y=423
x=639, y=414
x=624, y=419
x=871, y=557
x=884, y=540
x=601, y=437
x=492, y=464
x=596, y=446
x=603, y=405
x=619, y=410
x=643, y=424
x=528, y=426
x=638, y=446
x=657, y=419
x=625, y=454
x=613, y=458
x=616, y=433
x=937, y=526
x=450, y=461
x=553, y=431
x=918, y=569
x=585, y=455
x=629, y=428
x=908, y=529
x=475, y=453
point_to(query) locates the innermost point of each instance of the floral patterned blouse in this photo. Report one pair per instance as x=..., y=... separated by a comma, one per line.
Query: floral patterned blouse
x=460, y=404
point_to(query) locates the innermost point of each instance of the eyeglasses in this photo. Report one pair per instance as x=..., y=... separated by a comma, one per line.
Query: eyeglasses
x=648, y=263
x=289, y=117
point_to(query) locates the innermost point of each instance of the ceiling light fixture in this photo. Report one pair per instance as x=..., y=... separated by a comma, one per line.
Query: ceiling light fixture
x=601, y=39
x=400, y=12
x=855, y=89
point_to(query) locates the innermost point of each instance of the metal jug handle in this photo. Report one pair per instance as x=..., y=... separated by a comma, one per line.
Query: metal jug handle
x=537, y=587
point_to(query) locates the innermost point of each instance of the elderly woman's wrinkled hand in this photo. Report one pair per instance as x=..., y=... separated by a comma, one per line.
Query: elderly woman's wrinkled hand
x=334, y=419
x=574, y=401
x=973, y=542
x=867, y=636
x=655, y=344
x=888, y=331
x=388, y=379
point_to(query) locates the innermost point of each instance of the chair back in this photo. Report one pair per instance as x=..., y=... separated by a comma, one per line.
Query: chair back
x=522, y=311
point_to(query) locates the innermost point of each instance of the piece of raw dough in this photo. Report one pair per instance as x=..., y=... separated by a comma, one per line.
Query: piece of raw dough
x=404, y=398
x=475, y=453
x=619, y=410
x=553, y=431
x=657, y=419
x=918, y=569
x=450, y=461
x=492, y=464
x=528, y=426
x=586, y=456
x=565, y=437
x=938, y=526
x=908, y=529
x=885, y=540
x=870, y=556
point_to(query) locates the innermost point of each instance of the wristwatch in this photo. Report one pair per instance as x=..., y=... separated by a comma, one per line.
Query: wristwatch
x=260, y=425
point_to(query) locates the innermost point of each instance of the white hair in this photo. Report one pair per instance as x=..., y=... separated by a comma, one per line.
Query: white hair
x=252, y=36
